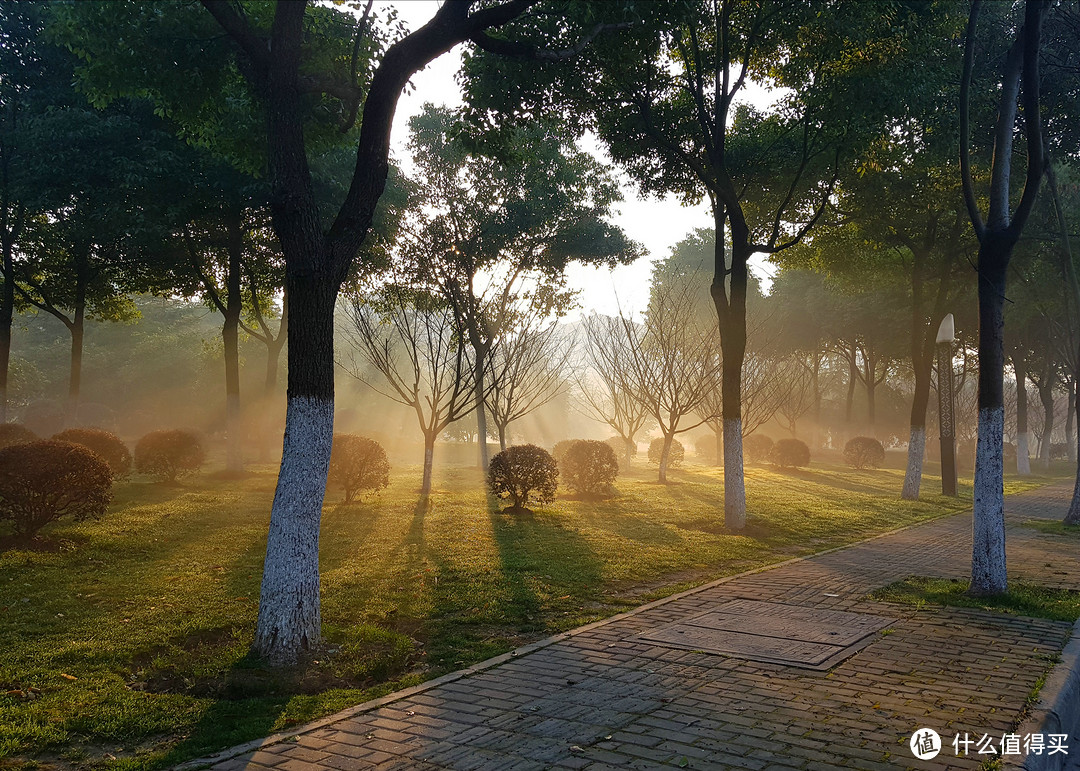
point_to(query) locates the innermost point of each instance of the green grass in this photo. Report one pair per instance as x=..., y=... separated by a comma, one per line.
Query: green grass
x=1021, y=600
x=134, y=632
x=1053, y=527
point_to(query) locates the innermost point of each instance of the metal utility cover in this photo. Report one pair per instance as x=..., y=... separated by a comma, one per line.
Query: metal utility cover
x=812, y=638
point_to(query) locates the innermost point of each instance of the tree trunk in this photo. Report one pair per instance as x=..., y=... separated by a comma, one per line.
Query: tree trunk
x=502, y=437
x=7, y=314
x=1072, y=516
x=988, y=574
x=77, y=327
x=480, y=352
x=917, y=440
x=230, y=331
x=871, y=401
x=273, y=349
x=289, y=613
x=853, y=377
x=1070, y=417
x=429, y=460
x=1023, y=463
x=1046, y=396
x=665, y=457
x=718, y=432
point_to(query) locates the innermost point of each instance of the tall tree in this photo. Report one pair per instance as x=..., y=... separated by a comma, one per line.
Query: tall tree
x=299, y=64
x=997, y=235
x=496, y=233
x=663, y=101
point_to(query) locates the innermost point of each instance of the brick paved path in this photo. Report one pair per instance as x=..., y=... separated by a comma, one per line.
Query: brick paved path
x=598, y=700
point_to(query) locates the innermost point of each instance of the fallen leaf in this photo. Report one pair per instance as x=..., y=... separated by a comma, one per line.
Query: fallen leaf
x=66, y=676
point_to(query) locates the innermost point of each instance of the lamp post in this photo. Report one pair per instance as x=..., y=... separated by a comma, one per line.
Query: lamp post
x=946, y=338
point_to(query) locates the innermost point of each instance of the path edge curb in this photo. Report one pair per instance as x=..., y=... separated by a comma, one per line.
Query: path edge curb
x=1057, y=710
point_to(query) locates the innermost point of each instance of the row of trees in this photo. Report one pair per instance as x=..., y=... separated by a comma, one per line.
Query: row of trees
x=282, y=88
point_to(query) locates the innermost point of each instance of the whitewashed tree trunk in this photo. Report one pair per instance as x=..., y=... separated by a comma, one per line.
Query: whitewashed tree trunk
x=289, y=617
x=988, y=574
x=1023, y=461
x=915, y=455
x=734, y=484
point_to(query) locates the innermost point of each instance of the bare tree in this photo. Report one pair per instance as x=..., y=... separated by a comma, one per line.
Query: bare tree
x=412, y=340
x=527, y=366
x=667, y=363
x=602, y=394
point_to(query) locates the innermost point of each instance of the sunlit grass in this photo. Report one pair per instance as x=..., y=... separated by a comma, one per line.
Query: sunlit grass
x=134, y=634
x=1022, y=599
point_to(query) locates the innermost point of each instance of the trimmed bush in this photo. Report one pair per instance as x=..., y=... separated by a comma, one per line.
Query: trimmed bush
x=675, y=457
x=169, y=454
x=864, y=452
x=45, y=480
x=790, y=453
x=358, y=464
x=106, y=444
x=15, y=433
x=560, y=448
x=589, y=467
x=757, y=448
x=522, y=471
x=620, y=446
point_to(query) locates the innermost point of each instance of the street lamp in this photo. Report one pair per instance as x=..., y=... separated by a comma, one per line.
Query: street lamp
x=946, y=337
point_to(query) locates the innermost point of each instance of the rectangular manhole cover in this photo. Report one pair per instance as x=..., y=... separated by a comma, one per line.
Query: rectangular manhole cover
x=771, y=631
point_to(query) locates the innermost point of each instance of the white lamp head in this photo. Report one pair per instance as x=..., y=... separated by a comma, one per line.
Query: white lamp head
x=946, y=333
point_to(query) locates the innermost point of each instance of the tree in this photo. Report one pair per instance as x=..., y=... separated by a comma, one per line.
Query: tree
x=666, y=362
x=529, y=364
x=411, y=339
x=997, y=235
x=496, y=233
x=287, y=65
x=662, y=100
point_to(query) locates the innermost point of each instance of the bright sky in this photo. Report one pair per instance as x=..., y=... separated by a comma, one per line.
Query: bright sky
x=657, y=224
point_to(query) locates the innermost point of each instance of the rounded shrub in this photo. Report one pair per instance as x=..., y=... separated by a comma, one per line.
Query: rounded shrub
x=358, y=464
x=757, y=448
x=106, y=444
x=790, y=453
x=45, y=480
x=620, y=446
x=675, y=457
x=169, y=454
x=560, y=448
x=589, y=467
x=522, y=471
x=864, y=452
x=15, y=433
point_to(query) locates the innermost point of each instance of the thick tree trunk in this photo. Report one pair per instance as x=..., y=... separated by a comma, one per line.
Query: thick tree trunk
x=7, y=314
x=1070, y=418
x=230, y=332
x=289, y=613
x=429, y=462
x=718, y=432
x=917, y=440
x=988, y=573
x=1023, y=462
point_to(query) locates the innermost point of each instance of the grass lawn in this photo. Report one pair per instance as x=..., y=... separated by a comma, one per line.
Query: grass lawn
x=125, y=645
x=1022, y=599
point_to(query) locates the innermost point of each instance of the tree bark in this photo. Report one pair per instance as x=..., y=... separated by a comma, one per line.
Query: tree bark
x=1023, y=462
x=1072, y=516
x=289, y=610
x=917, y=439
x=77, y=328
x=988, y=570
x=665, y=457
x=7, y=315
x=718, y=432
x=273, y=349
x=1046, y=396
x=1070, y=418
x=480, y=353
x=429, y=462
x=853, y=377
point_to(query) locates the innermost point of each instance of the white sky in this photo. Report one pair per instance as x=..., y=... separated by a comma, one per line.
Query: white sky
x=657, y=224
